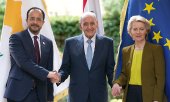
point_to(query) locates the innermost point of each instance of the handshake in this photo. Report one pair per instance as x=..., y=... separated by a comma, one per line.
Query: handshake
x=54, y=77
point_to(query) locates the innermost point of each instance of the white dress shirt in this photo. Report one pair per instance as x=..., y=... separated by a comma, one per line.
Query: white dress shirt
x=92, y=44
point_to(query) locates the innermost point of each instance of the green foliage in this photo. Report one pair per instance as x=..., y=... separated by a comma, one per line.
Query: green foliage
x=1, y=18
x=112, y=6
x=111, y=27
x=64, y=27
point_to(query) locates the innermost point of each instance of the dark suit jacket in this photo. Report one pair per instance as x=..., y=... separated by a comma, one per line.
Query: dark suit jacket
x=24, y=70
x=152, y=72
x=86, y=83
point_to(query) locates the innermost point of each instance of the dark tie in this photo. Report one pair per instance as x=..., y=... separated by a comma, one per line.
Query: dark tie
x=89, y=53
x=37, y=51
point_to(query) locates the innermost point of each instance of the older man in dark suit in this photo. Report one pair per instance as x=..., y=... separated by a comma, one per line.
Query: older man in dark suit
x=31, y=63
x=88, y=59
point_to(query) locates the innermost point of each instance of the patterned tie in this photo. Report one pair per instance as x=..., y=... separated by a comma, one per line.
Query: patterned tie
x=37, y=51
x=89, y=53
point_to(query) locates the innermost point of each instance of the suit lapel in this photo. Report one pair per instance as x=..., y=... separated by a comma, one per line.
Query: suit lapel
x=131, y=53
x=80, y=50
x=29, y=43
x=146, y=52
x=42, y=43
x=129, y=63
x=98, y=47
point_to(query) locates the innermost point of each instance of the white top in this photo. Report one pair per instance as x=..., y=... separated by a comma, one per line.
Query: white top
x=92, y=44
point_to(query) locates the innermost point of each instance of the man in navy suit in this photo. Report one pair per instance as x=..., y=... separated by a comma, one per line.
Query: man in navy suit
x=88, y=64
x=31, y=63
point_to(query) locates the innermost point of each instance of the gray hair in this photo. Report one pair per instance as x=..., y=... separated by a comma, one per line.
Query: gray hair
x=90, y=13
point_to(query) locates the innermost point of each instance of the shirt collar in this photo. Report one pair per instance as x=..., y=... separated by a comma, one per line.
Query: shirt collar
x=32, y=35
x=93, y=38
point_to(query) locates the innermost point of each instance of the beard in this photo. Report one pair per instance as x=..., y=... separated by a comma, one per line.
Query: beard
x=34, y=28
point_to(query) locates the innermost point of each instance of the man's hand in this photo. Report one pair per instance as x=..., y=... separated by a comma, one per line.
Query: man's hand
x=58, y=80
x=54, y=77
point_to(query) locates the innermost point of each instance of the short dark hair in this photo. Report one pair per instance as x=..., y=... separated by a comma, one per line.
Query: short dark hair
x=36, y=8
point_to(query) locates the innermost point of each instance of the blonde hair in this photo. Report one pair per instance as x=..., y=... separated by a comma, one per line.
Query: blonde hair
x=138, y=18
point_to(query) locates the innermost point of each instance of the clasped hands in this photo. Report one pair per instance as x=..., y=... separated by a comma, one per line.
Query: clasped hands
x=116, y=89
x=54, y=77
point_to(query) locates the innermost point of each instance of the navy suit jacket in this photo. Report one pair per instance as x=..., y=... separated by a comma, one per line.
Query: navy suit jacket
x=86, y=83
x=24, y=71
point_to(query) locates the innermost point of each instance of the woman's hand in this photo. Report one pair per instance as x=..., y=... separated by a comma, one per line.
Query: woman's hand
x=116, y=89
